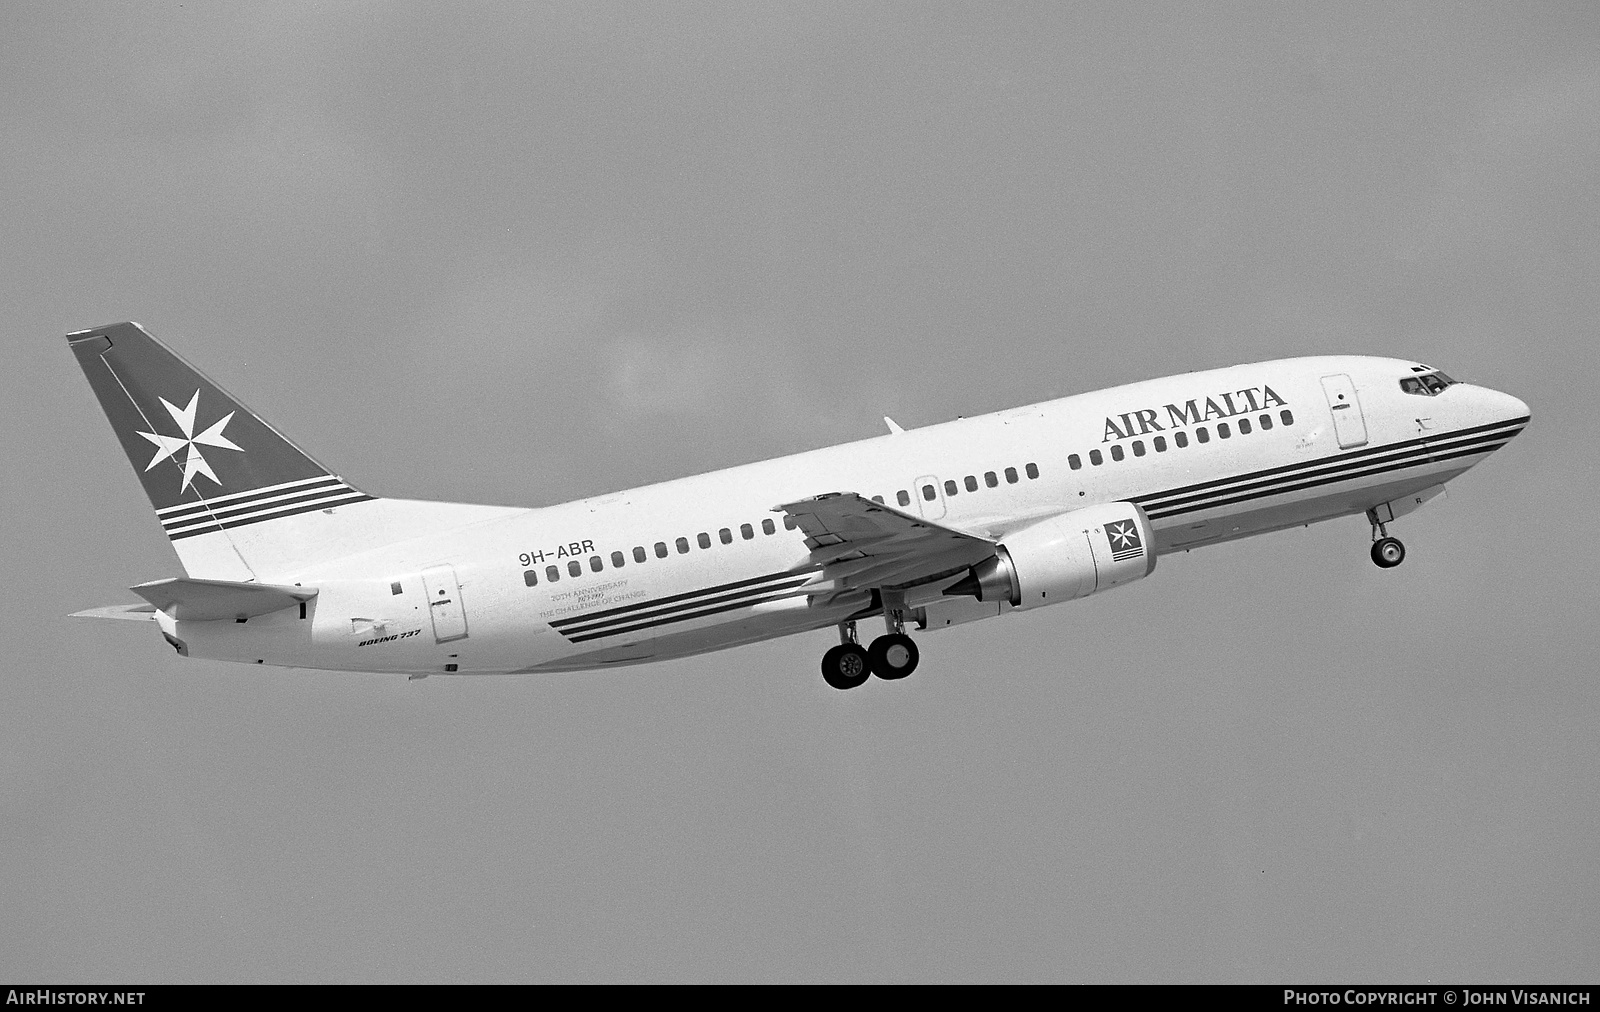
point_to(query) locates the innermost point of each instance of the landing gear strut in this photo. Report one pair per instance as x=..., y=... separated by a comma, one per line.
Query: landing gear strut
x=892, y=656
x=1387, y=552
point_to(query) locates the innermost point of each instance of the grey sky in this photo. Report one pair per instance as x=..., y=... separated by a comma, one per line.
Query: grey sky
x=520, y=254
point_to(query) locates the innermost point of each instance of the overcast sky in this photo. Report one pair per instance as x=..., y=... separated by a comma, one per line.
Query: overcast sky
x=518, y=254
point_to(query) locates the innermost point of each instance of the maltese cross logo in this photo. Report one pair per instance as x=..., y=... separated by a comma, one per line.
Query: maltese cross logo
x=193, y=462
x=1124, y=538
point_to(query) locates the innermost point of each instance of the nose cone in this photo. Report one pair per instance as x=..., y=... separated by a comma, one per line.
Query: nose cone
x=1500, y=407
x=1498, y=416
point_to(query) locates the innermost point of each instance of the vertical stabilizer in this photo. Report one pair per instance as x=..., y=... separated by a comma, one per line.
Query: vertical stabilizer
x=209, y=464
x=239, y=501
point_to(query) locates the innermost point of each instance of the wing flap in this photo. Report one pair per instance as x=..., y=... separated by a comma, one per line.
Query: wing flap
x=862, y=543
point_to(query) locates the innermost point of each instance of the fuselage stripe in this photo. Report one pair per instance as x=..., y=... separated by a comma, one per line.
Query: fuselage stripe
x=1344, y=474
x=701, y=613
x=582, y=624
x=1409, y=455
x=629, y=609
x=1287, y=469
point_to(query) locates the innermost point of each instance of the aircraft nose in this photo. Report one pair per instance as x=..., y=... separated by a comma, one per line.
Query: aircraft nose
x=1507, y=407
x=1502, y=408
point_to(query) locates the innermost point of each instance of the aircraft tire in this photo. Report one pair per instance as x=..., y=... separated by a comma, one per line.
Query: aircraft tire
x=846, y=666
x=1388, y=553
x=893, y=656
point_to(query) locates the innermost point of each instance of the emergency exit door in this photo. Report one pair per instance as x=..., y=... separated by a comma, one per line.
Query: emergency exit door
x=1348, y=423
x=930, y=497
x=444, y=604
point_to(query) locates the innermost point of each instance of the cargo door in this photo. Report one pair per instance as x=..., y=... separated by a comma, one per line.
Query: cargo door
x=1348, y=423
x=444, y=604
x=930, y=497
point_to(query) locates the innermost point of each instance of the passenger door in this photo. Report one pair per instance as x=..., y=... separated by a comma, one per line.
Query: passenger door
x=1348, y=423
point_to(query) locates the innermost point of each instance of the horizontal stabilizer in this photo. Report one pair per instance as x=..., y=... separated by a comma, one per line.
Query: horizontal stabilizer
x=126, y=612
x=189, y=600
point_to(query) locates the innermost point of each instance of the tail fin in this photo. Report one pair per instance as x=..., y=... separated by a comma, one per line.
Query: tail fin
x=227, y=486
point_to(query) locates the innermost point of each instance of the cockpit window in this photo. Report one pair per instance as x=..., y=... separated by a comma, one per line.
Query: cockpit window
x=1427, y=385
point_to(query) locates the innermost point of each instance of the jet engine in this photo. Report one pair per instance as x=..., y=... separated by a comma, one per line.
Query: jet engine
x=1068, y=556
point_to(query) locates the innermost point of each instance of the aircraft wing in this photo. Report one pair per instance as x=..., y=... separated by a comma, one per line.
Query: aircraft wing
x=863, y=544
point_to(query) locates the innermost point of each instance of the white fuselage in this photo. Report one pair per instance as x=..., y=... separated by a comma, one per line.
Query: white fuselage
x=1315, y=461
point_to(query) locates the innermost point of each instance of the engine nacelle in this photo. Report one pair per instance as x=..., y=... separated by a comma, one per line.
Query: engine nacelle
x=1065, y=557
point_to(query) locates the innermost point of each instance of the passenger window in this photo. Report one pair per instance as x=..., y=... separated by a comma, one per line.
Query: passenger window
x=530, y=578
x=990, y=479
x=1033, y=470
x=1160, y=443
x=1095, y=458
x=704, y=539
x=552, y=574
x=726, y=536
x=638, y=553
x=683, y=546
x=929, y=494
x=661, y=549
x=971, y=483
x=903, y=497
x=1266, y=422
x=573, y=569
x=595, y=563
x=1222, y=430
x=1138, y=447
x=1180, y=439
x=1074, y=461
x=1286, y=416
x=746, y=531
x=789, y=522
x=877, y=499
x=1244, y=426
x=1202, y=435
x=767, y=527
x=617, y=561
x=949, y=487
x=1116, y=451
x=1011, y=476
x=394, y=588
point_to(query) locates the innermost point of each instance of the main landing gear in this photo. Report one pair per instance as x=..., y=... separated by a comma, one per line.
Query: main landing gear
x=892, y=656
x=1387, y=552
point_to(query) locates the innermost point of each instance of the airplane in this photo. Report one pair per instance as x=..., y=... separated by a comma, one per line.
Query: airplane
x=289, y=564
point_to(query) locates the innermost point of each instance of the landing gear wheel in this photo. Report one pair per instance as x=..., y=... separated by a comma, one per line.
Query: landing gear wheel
x=846, y=666
x=1388, y=552
x=893, y=656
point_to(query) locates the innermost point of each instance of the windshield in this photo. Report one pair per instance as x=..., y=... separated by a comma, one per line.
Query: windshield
x=1428, y=384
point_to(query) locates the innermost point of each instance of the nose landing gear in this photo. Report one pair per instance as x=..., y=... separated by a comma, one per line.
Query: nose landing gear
x=1387, y=552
